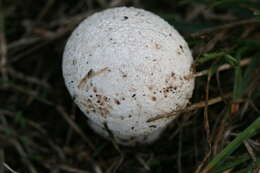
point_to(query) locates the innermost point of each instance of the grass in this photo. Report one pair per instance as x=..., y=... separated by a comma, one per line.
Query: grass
x=41, y=130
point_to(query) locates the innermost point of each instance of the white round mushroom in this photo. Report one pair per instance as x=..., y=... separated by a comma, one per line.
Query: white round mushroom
x=123, y=66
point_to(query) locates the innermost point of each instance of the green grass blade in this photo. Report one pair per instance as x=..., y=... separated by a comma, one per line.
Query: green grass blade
x=208, y=57
x=231, y=164
x=247, y=133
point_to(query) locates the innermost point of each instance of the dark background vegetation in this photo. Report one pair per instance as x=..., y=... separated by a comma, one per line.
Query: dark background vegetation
x=41, y=130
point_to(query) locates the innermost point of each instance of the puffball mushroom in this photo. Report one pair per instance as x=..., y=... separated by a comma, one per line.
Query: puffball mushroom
x=123, y=66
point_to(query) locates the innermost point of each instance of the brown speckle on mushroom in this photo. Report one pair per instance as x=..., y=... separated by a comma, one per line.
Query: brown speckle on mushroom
x=157, y=46
x=153, y=98
x=117, y=101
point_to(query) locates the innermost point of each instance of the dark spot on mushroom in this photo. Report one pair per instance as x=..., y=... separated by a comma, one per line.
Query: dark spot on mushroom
x=110, y=39
x=172, y=74
x=179, y=53
x=133, y=95
x=90, y=54
x=123, y=98
x=94, y=89
x=154, y=60
x=157, y=46
x=125, y=17
x=124, y=76
x=122, y=118
x=71, y=81
x=91, y=96
x=170, y=34
x=98, y=45
x=152, y=126
x=74, y=62
x=153, y=98
x=151, y=74
x=132, y=128
x=181, y=47
x=90, y=72
x=154, y=92
x=129, y=116
x=87, y=62
x=186, y=78
x=117, y=102
x=150, y=88
x=106, y=99
x=144, y=95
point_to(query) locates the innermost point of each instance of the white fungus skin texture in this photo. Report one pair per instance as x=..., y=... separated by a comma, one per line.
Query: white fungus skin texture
x=123, y=66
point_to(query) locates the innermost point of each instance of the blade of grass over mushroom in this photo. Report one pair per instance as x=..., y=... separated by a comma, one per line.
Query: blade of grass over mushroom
x=208, y=57
x=249, y=132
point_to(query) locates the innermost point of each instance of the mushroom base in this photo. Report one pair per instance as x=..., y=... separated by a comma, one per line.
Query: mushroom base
x=126, y=140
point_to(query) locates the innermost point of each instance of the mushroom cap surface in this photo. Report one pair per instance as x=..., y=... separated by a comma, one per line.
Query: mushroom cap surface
x=123, y=66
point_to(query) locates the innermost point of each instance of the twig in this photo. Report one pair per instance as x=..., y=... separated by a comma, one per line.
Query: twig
x=9, y=168
x=226, y=26
x=29, y=92
x=142, y=162
x=23, y=155
x=179, y=157
x=206, y=125
x=2, y=159
x=3, y=47
x=71, y=169
x=29, y=79
x=75, y=127
x=250, y=150
x=224, y=67
x=90, y=75
x=193, y=107
x=49, y=4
